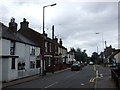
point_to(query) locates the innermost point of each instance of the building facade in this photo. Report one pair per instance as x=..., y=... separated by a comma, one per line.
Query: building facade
x=19, y=57
x=54, y=52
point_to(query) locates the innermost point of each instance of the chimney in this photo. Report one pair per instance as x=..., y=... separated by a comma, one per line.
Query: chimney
x=56, y=39
x=46, y=34
x=24, y=24
x=60, y=41
x=13, y=25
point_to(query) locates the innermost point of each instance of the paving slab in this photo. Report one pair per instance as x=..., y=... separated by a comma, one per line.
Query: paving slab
x=105, y=81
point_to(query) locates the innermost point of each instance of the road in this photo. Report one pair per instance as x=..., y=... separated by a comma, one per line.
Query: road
x=66, y=79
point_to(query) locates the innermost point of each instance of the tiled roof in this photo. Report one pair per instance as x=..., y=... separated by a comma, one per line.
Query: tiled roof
x=32, y=35
x=6, y=33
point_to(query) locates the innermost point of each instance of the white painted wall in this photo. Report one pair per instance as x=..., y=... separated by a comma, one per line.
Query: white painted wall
x=69, y=59
x=23, y=51
x=8, y=73
x=117, y=56
x=5, y=47
x=0, y=59
x=5, y=69
x=27, y=57
x=37, y=51
x=12, y=73
x=0, y=69
x=4, y=62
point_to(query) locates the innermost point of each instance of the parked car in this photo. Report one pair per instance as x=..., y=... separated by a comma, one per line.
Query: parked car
x=76, y=66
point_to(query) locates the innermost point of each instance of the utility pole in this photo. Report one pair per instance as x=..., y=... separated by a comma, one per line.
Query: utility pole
x=97, y=49
x=105, y=44
x=43, y=46
x=53, y=49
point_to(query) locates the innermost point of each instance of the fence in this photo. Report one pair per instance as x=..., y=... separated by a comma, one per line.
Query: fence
x=115, y=73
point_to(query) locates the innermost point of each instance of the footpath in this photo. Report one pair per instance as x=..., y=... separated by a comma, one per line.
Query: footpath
x=28, y=78
x=104, y=80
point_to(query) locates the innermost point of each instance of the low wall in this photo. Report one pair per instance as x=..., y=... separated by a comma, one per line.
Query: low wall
x=56, y=68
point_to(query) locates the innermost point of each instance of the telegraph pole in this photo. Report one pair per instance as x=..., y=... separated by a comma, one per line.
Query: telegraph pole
x=43, y=46
x=53, y=49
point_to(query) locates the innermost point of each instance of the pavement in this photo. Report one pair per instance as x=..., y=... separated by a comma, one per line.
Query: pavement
x=28, y=78
x=103, y=79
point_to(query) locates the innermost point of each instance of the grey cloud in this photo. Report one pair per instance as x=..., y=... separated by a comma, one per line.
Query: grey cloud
x=75, y=22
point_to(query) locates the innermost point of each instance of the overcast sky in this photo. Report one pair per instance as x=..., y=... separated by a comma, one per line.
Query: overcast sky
x=76, y=22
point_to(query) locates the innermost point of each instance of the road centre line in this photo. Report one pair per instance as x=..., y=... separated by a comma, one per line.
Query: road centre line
x=51, y=85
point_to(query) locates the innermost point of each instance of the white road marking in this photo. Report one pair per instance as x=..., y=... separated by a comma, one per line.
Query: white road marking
x=101, y=75
x=82, y=84
x=97, y=73
x=51, y=85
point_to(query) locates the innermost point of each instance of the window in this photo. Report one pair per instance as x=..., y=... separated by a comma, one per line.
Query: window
x=56, y=48
x=46, y=50
x=50, y=47
x=13, y=63
x=32, y=50
x=32, y=64
x=12, y=48
x=21, y=65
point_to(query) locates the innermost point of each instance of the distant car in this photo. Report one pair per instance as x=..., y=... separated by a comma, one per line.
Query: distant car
x=76, y=66
x=91, y=63
x=85, y=64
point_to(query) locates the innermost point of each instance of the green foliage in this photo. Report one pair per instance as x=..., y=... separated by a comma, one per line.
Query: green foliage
x=80, y=55
x=95, y=58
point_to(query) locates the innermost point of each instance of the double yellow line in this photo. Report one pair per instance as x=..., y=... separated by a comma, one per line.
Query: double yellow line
x=92, y=80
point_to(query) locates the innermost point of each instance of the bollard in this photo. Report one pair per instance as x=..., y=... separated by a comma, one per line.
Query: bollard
x=96, y=73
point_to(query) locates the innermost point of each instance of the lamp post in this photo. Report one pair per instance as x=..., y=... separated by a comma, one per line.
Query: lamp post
x=43, y=50
x=103, y=45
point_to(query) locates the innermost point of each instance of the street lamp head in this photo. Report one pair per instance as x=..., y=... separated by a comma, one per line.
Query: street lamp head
x=53, y=4
x=97, y=33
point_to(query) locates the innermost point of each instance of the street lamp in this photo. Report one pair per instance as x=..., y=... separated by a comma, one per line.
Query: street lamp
x=103, y=44
x=102, y=39
x=43, y=62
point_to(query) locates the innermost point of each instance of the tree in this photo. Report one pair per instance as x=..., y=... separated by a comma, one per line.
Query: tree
x=72, y=50
x=78, y=54
x=95, y=58
x=84, y=56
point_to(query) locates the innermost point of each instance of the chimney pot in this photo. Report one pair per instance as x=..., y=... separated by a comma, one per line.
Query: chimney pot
x=24, y=24
x=13, y=25
x=60, y=41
